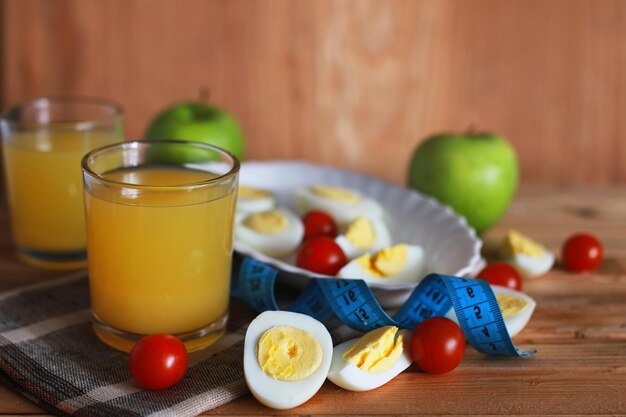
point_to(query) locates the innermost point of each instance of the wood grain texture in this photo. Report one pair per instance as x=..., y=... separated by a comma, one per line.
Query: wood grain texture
x=578, y=328
x=356, y=84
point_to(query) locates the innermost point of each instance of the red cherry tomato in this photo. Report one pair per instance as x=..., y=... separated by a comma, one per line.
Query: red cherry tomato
x=158, y=361
x=321, y=254
x=503, y=274
x=582, y=252
x=318, y=223
x=437, y=345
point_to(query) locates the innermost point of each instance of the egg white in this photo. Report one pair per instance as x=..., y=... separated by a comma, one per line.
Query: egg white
x=348, y=376
x=411, y=273
x=276, y=245
x=383, y=240
x=532, y=266
x=515, y=323
x=306, y=200
x=272, y=392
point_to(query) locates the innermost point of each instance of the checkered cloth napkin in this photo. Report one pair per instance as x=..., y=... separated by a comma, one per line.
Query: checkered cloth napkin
x=49, y=353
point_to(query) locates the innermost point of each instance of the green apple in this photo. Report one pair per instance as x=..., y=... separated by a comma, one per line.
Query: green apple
x=474, y=173
x=197, y=121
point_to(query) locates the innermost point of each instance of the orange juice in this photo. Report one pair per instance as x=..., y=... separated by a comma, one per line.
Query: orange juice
x=44, y=185
x=159, y=259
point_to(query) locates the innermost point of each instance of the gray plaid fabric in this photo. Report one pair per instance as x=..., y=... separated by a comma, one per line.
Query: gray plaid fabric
x=49, y=353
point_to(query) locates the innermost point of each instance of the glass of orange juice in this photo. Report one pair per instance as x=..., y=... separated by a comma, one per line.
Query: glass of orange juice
x=43, y=141
x=159, y=234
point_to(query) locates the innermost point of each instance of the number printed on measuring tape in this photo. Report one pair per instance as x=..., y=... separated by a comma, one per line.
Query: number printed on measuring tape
x=352, y=301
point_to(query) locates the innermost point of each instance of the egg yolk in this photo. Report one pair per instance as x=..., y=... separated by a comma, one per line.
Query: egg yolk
x=386, y=262
x=511, y=305
x=252, y=193
x=376, y=351
x=361, y=233
x=266, y=222
x=336, y=193
x=288, y=354
x=515, y=243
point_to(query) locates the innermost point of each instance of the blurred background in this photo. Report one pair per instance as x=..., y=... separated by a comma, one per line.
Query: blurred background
x=350, y=83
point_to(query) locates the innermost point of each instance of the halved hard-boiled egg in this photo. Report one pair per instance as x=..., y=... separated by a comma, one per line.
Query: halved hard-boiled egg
x=286, y=358
x=530, y=258
x=364, y=235
x=516, y=307
x=342, y=204
x=276, y=232
x=399, y=264
x=371, y=361
x=252, y=199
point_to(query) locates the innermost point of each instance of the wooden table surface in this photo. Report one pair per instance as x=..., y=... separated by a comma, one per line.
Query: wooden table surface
x=578, y=328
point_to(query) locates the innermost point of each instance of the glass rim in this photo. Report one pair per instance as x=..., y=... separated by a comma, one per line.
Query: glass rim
x=218, y=179
x=118, y=112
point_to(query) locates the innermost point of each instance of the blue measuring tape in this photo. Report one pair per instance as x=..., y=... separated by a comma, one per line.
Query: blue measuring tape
x=353, y=303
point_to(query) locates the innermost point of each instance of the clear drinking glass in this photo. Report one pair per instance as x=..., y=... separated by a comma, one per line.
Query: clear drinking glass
x=43, y=141
x=160, y=220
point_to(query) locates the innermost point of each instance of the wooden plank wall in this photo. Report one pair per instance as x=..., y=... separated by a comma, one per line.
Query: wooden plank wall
x=352, y=83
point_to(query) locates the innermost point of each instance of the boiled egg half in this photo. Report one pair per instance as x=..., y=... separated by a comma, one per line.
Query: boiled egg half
x=516, y=308
x=371, y=361
x=530, y=258
x=364, y=235
x=252, y=200
x=275, y=233
x=286, y=358
x=342, y=204
x=399, y=264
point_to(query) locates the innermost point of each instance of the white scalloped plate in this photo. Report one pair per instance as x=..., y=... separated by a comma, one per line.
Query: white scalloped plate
x=451, y=247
